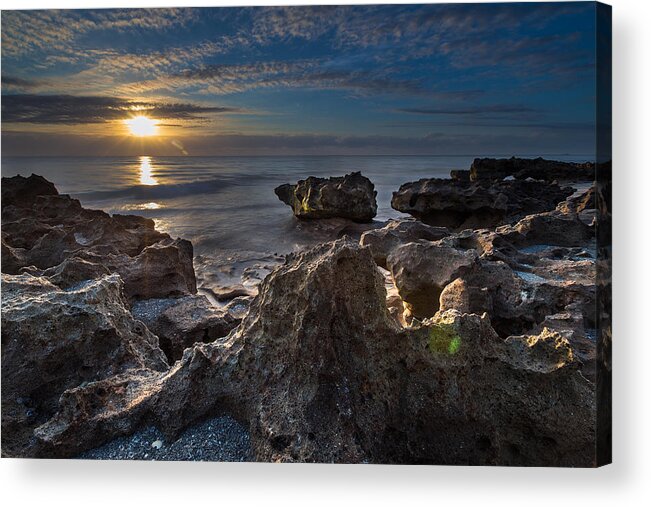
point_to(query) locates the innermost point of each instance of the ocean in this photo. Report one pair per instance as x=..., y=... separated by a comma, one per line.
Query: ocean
x=226, y=205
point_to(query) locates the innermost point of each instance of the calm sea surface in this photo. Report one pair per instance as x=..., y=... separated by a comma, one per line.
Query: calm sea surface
x=225, y=205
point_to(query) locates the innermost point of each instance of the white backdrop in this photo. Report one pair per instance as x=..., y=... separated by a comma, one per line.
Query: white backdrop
x=627, y=482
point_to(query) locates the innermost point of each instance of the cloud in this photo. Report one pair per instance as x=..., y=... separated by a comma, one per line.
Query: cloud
x=118, y=72
x=316, y=74
x=471, y=111
x=25, y=32
x=69, y=109
x=406, y=29
x=14, y=83
x=438, y=37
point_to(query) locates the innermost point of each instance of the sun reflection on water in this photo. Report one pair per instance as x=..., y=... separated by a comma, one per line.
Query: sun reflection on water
x=146, y=172
x=142, y=206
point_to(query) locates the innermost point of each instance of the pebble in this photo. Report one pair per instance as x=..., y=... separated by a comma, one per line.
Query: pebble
x=216, y=439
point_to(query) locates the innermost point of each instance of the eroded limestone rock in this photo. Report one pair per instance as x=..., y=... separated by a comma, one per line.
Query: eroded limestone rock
x=54, y=340
x=52, y=235
x=180, y=323
x=397, y=232
x=422, y=269
x=351, y=196
x=459, y=204
x=321, y=372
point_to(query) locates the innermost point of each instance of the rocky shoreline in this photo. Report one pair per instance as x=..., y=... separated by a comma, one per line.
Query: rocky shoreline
x=464, y=334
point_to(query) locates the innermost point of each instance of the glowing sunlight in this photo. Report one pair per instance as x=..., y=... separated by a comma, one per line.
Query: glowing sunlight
x=146, y=172
x=141, y=126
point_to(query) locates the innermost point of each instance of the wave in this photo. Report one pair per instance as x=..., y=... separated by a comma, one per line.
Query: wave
x=172, y=190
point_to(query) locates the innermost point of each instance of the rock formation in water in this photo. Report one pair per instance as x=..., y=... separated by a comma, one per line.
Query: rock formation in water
x=458, y=204
x=351, y=196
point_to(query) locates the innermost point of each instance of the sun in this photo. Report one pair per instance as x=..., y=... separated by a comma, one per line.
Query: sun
x=141, y=126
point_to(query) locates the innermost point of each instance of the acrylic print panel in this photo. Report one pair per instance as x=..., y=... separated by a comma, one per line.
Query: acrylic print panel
x=348, y=234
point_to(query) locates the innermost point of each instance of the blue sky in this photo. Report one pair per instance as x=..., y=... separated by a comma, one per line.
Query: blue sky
x=470, y=79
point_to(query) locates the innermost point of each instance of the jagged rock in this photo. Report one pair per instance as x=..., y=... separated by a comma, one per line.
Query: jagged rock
x=465, y=298
x=542, y=353
x=492, y=287
x=554, y=296
x=533, y=419
x=396, y=308
x=351, y=196
x=450, y=203
x=487, y=243
x=492, y=169
x=21, y=192
x=397, y=232
x=12, y=258
x=24, y=232
x=319, y=368
x=516, y=288
x=321, y=372
x=52, y=248
x=566, y=270
x=462, y=205
x=54, y=340
x=72, y=271
x=460, y=175
x=421, y=270
x=552, y=228
x=180, y=323
x=92, y=413
x=526, y=197
x=163, y=269
x=570, y=325
x=238, y=307
x=48, y=227
x=577, y=204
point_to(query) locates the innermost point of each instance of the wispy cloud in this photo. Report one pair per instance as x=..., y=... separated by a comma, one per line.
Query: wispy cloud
x=19, y=83
x=316, y=74
x=28, y=31
x=398, y=28
x=71, y=110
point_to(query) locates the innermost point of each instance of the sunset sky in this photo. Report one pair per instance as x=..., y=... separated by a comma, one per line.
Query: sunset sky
x=425, y=79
